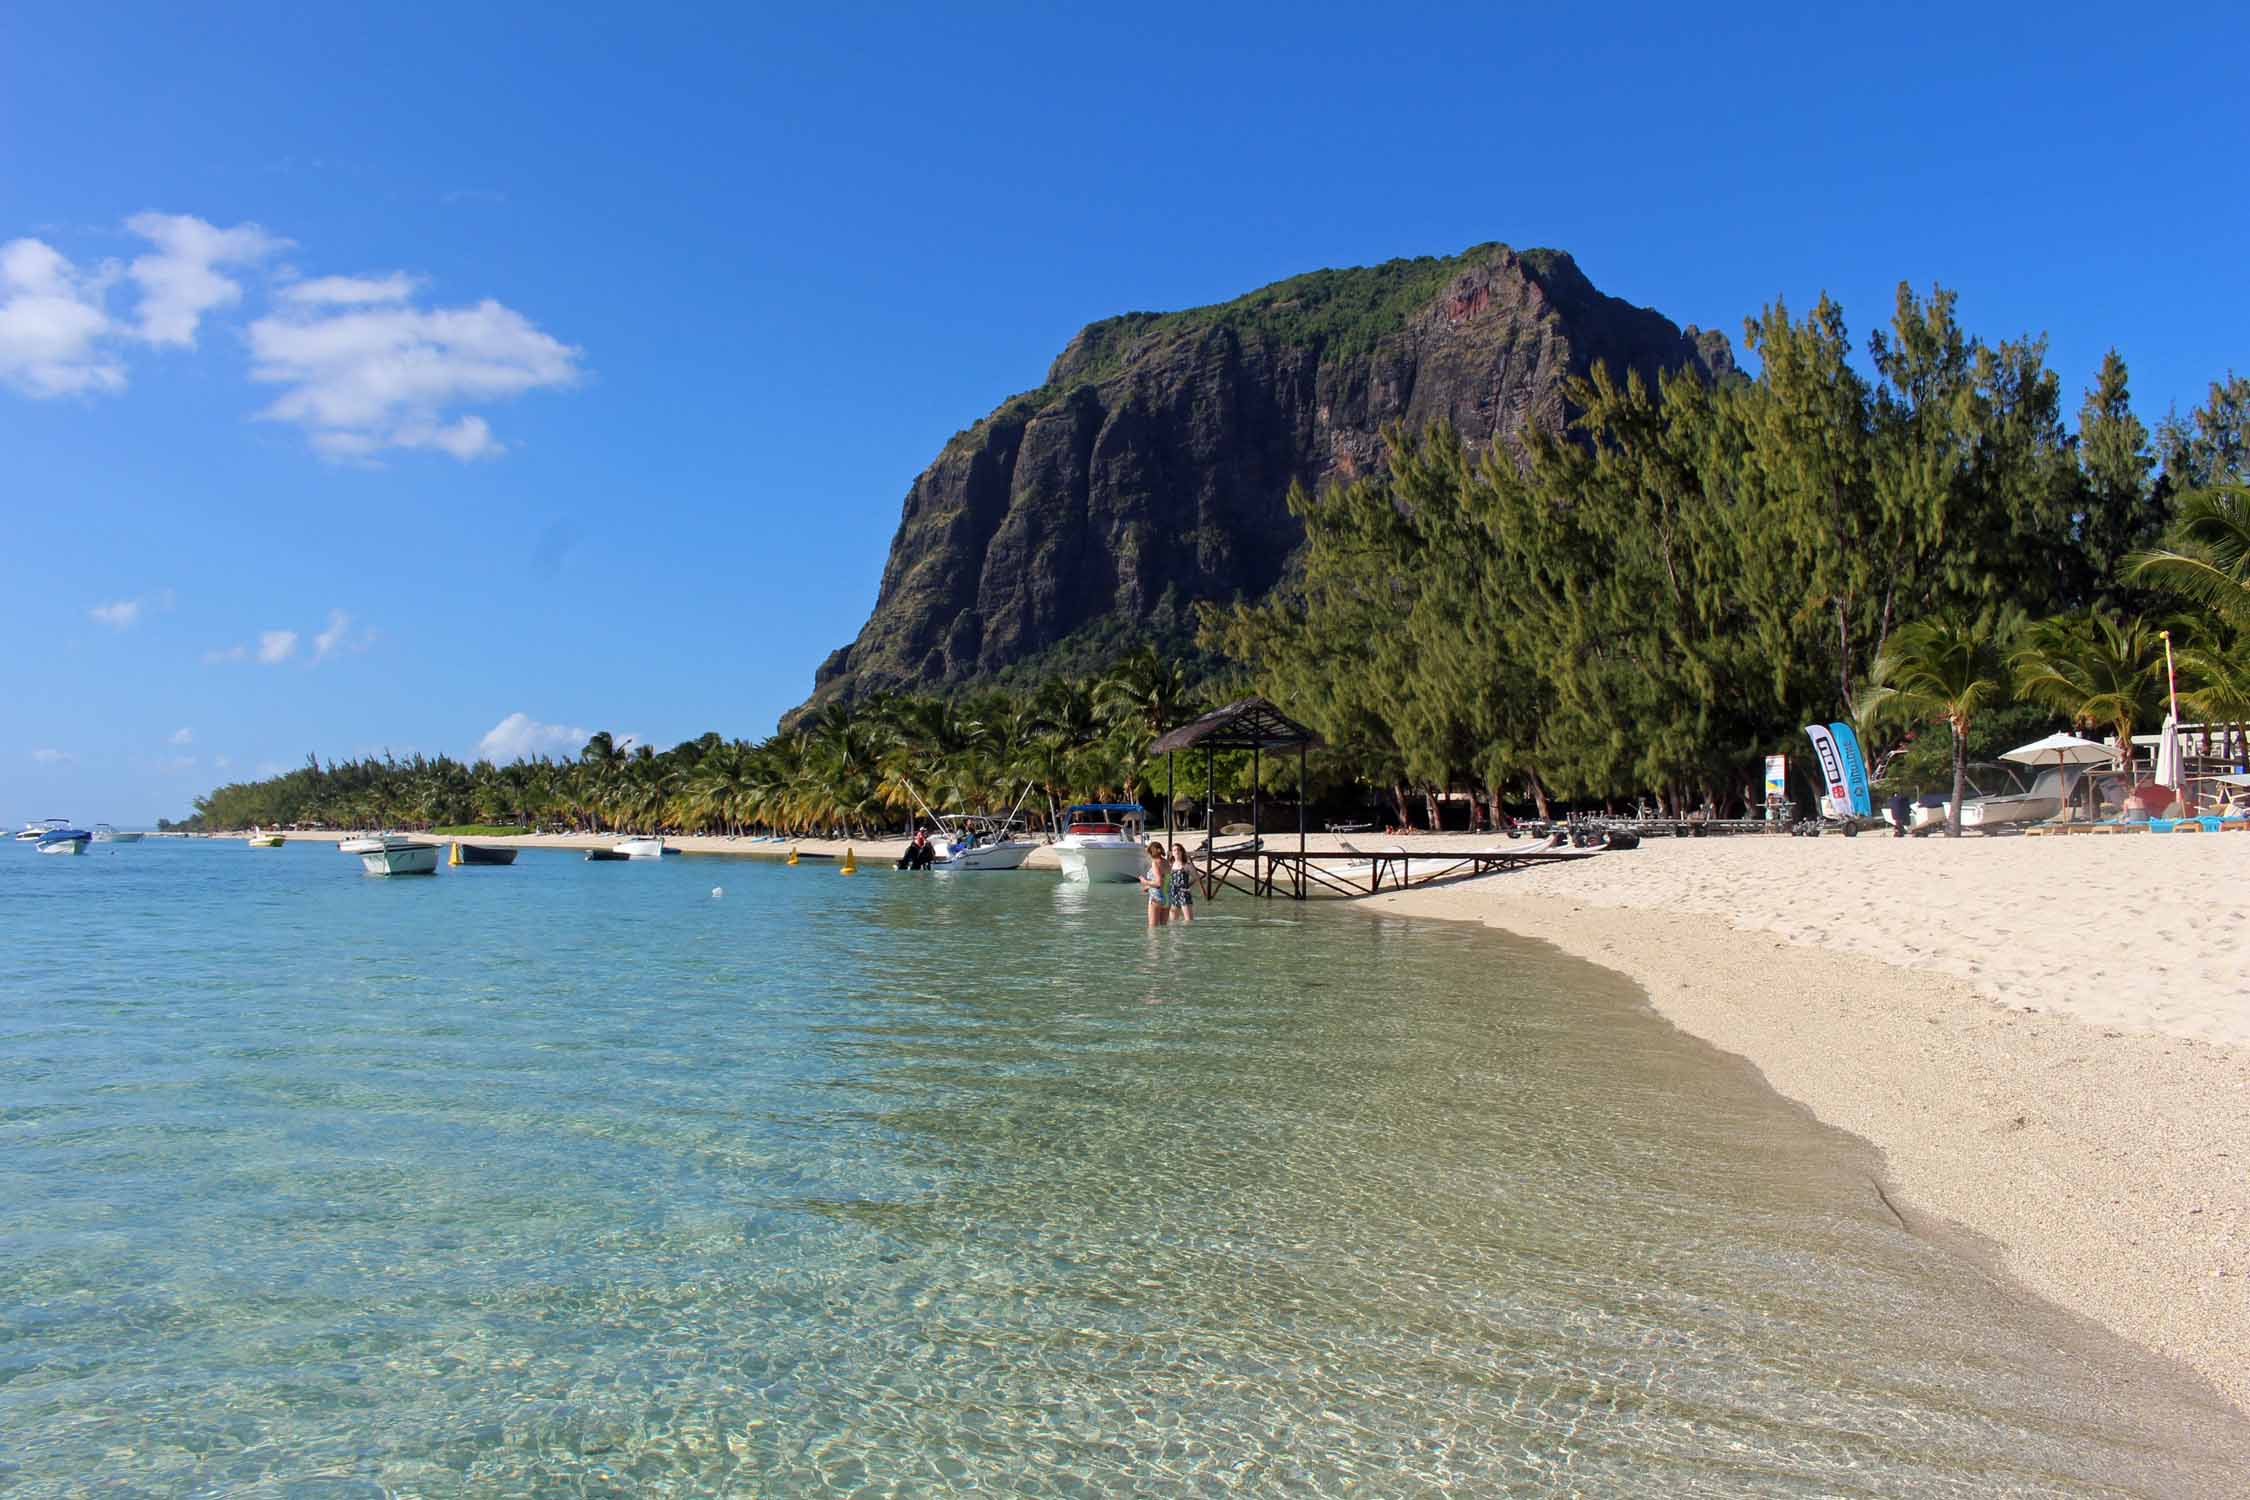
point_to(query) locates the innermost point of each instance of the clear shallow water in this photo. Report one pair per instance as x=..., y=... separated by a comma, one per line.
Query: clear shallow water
x=570, y=1179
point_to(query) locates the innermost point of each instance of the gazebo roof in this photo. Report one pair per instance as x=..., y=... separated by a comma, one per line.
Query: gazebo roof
x=1252, y=724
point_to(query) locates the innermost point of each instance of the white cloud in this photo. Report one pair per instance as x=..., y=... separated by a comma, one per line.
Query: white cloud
x=351, y=291
x=362, y=368
x=53, y=757
x=51, y=320
x=276, y=646
x=327, y=640
x=179, y=280
x=520, y=735
x=183, y=736
x=364, y=377
x=124, y=614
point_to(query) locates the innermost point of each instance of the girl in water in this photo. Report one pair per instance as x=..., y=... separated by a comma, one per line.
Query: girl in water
x=1157, y=882
x=1183, y=884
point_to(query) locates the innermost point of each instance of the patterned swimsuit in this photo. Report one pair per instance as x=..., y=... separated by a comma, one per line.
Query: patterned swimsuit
x=1179, y=888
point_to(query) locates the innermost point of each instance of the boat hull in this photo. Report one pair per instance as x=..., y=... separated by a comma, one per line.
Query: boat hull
x=641, y=848
x=1102, y=864
x=360, y=846
x=65, y=846
x=606, y=856
x=118, y=838
x=479, y=854
x=264, y=841
x=411, y=859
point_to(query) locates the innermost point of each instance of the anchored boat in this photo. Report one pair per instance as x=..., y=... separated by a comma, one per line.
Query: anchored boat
x=104, y=834
x=480, y=854
x=63, y=841
x=400, y=855
x=1103, y=842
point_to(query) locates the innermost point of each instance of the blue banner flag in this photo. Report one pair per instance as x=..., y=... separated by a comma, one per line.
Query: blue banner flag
x=1855, y=768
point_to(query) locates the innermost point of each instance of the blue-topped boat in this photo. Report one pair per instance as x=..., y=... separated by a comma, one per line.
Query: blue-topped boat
x=64, y=841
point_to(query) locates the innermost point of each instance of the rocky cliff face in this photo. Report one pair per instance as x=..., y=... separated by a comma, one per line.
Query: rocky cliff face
x=1150, y=470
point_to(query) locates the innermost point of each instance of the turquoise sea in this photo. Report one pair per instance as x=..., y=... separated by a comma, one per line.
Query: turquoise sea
x=571, y=1179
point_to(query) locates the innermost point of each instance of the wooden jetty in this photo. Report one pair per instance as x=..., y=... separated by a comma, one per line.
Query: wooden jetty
x=1301, y=874
x=1255, y=725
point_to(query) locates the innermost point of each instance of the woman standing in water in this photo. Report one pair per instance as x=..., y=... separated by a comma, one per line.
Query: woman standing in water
x=1183, y=884
x=1157, y=882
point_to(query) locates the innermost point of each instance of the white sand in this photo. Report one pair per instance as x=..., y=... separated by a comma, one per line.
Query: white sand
x=2051, y=1053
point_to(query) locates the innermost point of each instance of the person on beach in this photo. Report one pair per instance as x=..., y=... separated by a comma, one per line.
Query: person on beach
x=1183, y=884
x=1157, y=882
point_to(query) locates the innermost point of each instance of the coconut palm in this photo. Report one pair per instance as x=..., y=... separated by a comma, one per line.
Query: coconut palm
x=2102, y=670
x=1945, y=670
x=2206, y=554
x=2217, y=689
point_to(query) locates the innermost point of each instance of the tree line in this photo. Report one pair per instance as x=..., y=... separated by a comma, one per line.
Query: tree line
x=852, y=769
x=1650, y=601
x=1643, y=604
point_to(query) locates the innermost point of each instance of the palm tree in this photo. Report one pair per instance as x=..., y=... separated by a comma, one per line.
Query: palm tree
x=1142, y=697
x=2206, y=554
x=2100, y=669
x=1945, y=670
x=2218, y=691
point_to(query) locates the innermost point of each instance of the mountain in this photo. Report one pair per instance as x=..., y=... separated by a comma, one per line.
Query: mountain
x=1150, y=470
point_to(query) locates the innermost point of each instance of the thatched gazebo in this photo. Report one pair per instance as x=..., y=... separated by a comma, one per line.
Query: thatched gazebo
x=1254, y=725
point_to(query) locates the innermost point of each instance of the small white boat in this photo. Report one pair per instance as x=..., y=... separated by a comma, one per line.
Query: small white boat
x=1103, y=843
x=651, y=847
x=364, y=843
x=400, y=855
x=63, y=841
x=260, y=839
x=104, y=834
x=972, y=843
x=32, y=833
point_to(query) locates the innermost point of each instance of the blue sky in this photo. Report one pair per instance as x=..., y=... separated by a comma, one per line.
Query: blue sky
x=367, y=380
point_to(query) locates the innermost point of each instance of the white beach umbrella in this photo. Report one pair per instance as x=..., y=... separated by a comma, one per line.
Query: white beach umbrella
x=2061, y=750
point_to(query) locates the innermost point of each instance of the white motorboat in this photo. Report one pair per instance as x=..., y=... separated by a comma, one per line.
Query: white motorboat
x=32, y=833
x=260, y=839
x=1103, y=843
x=363, y=843
x=971, y=848
x=104, y=834
x=63, y=841
x=400, y=855
x=651, y=847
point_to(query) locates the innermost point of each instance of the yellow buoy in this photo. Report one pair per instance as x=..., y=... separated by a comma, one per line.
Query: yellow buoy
x=850, y=866
x=792, y=854
x=456, y=859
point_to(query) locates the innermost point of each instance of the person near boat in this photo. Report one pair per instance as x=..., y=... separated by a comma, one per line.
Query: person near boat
x=1182, y=893
x=919, y=854
x=1157, y=882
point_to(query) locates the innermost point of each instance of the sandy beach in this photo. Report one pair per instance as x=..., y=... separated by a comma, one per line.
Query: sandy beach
x=2048, y=1039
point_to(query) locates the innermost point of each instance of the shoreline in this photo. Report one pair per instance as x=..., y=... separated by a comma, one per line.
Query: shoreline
x=2094, y=1144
